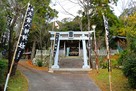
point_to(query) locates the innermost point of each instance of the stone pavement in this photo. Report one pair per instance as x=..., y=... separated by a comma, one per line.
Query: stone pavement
x=40, y=80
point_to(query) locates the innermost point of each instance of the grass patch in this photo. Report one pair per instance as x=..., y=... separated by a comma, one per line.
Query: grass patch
x=119, y=81
x=18, y=82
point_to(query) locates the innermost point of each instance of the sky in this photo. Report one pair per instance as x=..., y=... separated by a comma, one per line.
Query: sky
x=73, y=8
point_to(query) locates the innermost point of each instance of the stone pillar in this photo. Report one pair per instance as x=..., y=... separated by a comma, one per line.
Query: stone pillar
x=85, y=65
x=64, y=48
x=51, y=52
x=79, y=48
x=56, y=56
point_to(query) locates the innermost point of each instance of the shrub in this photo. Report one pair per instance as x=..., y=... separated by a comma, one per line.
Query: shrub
x=123, y=57
x=114, y=63
x=104, y=63
x=129, y=70
x=128, y=60
x=3, y=68
x=39, y=63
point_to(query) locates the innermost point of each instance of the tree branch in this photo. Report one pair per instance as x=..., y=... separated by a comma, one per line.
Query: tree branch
x=72, y=2
x=65, y=9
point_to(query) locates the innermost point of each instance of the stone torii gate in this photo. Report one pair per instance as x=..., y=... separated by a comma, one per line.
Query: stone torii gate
x=70, y=35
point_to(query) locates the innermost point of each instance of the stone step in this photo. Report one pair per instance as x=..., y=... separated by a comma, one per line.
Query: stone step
x=69, y=70
x=71, y=63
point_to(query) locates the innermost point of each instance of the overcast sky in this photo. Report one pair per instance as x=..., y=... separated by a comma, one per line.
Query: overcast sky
x=73, y=7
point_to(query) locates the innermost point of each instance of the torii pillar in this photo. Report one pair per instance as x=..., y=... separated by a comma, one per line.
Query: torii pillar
x=85, y=65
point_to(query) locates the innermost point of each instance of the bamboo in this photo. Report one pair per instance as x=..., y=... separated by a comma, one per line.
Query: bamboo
x=108, y=54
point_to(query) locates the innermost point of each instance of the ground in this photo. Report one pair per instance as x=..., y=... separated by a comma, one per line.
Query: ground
x=41, y=80
x=119, y=81
x=39, y=77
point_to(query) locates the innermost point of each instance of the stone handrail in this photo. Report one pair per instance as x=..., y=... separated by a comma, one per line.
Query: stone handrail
x=44, y=52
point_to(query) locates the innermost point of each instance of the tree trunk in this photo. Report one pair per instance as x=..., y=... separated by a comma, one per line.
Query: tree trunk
x=10, y=54
x=14, y=68
x=33, y=50
x=81, y=26
x=41, y=45
x=88, y=19
x=41, y=54
x=1, y=87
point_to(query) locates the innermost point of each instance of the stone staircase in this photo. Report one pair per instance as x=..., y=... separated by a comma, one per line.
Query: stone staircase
x=70, y=64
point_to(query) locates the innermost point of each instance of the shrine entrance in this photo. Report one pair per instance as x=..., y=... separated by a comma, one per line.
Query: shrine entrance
x=69, y=44
x=71, y=47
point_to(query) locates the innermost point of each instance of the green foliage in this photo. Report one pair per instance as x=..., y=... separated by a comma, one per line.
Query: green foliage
x=128, y=57
x=130, y=70
x=128, y=23
x=123, y=57
x=70, y=26
x=131, y=38
x=132, y=82
x=3, y=68
x=128, y=60
x=101, y=6
x=43, y=14
x=114, y=63
x=2, y=23
x=103, y=64
x=40, y=63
